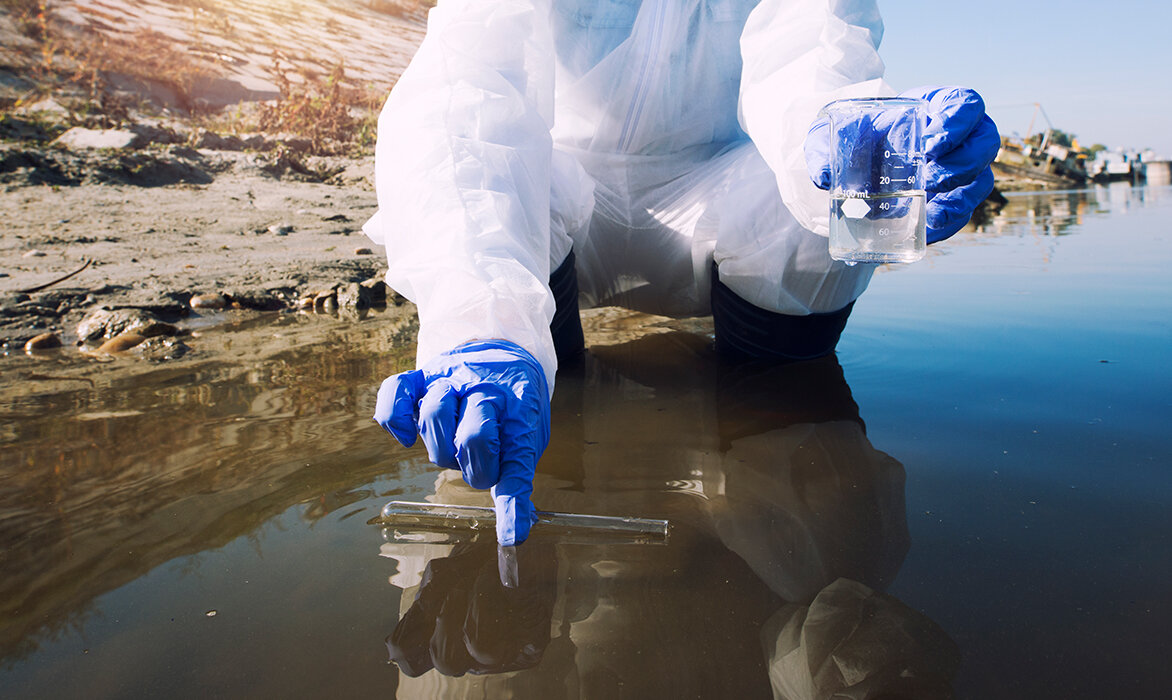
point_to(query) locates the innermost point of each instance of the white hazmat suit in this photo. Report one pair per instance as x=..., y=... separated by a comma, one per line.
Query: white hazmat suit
x=650, y=136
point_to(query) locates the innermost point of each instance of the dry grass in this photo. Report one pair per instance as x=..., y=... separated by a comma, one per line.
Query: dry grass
x=104, y=79
x=30, y=16
x=149, y=58
x=334, y=118
x=98, y=72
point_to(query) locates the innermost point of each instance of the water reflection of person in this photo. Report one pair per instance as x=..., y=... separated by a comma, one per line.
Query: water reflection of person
x=819, y=515
x=466, y=620
x=787, y=527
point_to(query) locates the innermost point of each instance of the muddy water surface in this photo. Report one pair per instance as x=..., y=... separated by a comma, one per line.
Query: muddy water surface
x=972, y=498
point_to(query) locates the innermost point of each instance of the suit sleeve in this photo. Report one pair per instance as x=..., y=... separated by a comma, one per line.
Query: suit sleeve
x=462, y=172
x=799, y=55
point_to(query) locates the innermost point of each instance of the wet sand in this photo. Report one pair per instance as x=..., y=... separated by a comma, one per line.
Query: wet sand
x=155, y=248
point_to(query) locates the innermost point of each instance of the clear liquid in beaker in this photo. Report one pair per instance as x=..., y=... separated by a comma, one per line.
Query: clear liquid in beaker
x=878, y=228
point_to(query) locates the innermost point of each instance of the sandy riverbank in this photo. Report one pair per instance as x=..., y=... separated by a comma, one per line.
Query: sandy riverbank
x=232, y=167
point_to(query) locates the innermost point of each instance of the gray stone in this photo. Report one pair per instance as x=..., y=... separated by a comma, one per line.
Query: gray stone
x=216, y=142
x=185, y=153
x=43, y=106
x=149, y=133
x=81, y=138
x=291, y=142
x=108, y=323
x=163, y=349
x=354, y=296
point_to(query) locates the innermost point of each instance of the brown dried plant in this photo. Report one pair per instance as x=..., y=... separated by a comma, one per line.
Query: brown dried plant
x=114, y=72
x=326, y=112
x=147, y=58
x=107, y=68
x=29, y=15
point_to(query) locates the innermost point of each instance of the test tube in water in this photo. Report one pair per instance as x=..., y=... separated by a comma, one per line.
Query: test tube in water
x=441, y=517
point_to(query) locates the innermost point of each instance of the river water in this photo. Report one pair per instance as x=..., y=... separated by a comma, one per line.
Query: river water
x=972, y=498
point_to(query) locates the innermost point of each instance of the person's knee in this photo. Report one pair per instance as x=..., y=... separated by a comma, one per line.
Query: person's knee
x=746, y=331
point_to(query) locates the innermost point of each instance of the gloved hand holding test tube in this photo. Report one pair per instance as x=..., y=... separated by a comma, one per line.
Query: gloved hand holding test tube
x=482, y=408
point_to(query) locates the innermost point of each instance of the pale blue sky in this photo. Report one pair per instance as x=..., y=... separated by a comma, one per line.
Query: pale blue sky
x=1100, y=69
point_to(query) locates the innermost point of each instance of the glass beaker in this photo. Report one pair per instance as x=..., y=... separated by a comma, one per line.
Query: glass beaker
x=877, y=193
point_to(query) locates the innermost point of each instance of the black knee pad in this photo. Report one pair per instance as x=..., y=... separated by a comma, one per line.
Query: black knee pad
x=745, y=331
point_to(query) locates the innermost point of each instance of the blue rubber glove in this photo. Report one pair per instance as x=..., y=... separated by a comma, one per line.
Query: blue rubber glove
x=482, y=408
x=960, y=143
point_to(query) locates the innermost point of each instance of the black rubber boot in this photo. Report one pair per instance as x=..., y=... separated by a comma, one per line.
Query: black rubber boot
x=566, y=326
x=745, y=331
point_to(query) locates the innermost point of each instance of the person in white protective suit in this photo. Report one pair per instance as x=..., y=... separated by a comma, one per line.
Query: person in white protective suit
x=652, y=154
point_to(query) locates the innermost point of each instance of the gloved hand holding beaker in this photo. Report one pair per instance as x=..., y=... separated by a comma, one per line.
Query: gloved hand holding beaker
x=960, y=142
x=482, y=408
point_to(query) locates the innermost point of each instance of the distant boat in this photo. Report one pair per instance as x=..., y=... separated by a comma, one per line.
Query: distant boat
x=1129, y=166
x=1038, y=158
x=1052, y=157
x=1050, y=164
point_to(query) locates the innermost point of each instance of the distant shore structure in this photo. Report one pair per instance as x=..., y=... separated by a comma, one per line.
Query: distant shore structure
x=1054, y=158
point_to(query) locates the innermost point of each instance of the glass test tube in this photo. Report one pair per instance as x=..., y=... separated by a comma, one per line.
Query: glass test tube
x=436, y=516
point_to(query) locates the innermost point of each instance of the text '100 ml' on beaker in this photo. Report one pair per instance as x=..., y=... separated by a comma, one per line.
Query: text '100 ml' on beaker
x=877, y=196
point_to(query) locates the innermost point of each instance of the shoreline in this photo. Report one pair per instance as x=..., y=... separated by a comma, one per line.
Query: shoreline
x=164, y=160
x=248, y=239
